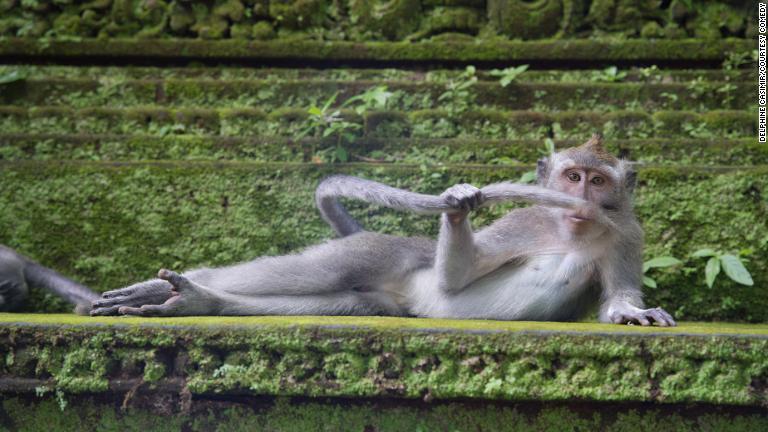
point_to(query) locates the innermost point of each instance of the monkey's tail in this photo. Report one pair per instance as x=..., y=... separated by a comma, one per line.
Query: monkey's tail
x=43, y=277
x=328, y=193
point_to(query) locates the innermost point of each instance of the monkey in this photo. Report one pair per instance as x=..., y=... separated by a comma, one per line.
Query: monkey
x=18, y=272
x=579, y=245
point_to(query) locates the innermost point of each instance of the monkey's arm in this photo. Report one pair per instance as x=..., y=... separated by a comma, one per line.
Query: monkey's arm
x=621, y=274
x=463, y=256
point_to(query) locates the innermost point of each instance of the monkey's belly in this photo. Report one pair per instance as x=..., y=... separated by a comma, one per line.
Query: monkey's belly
x=544, y=288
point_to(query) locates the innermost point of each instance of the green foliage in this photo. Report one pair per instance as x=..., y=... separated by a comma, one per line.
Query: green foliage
x=458, y=95
x=609, y=74
x=732, y=265
x=658, y=262
x=508, y=75
x=11, y=76
x=375, y=98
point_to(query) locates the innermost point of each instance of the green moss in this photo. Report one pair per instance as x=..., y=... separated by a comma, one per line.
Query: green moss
x=395, y=21
x=483, y=123
x=298, y=14
x=630, y=50
x=383, y=140
x=283, y=414
x=273, y=94
x=263, y=30
x=525, y=20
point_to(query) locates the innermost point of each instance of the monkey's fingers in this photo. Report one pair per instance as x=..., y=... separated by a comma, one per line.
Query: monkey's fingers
x=149, y=310
x=120, y=292
x=661, y=317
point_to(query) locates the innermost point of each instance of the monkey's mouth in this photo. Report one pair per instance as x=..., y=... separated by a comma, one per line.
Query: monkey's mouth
x=577, y=218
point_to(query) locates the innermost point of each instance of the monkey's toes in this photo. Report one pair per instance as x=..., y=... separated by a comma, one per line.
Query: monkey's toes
x=179, y=282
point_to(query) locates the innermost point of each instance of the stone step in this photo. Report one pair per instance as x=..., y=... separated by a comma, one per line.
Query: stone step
x=109, y=224
x=406, y=95
x=432, y=75
x=378, y=357
x=685, y=53
x=669, y=151
x=290, y=122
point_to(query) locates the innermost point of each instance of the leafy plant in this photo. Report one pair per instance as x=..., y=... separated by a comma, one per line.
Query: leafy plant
x=458, y=96
x=658, y=262
x=649, y=72
x=507, y=75
x=11, y=76
x=609, y=74
x=729, y=263
x=736, y=59
x=374, y=98
x=323, y=122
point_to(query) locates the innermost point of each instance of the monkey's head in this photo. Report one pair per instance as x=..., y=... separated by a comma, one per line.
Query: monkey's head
x=589, y=172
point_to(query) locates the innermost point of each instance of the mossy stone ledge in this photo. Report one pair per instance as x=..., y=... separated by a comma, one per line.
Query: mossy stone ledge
x=376, y=373
x=379, y=356
x=650, y=52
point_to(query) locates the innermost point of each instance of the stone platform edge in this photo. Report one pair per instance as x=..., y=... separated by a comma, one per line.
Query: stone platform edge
x=719, y=363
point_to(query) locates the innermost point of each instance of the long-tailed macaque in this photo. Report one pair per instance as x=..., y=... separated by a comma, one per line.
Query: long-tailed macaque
x=578, y=246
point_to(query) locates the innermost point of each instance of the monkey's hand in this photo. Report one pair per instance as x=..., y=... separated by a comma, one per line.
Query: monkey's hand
x=628, y=314
x=171, y=295
x=463, y=198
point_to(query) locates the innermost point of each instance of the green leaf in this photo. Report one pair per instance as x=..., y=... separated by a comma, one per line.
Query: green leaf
x=11, y=76
x=663, y=261
x=549, y=146
x=649, y=282
x=712, y=270
x=527, y=177
x=701, y=253
x=315, y=111
x=735, y=270
x=341, y=154
x=330, y=101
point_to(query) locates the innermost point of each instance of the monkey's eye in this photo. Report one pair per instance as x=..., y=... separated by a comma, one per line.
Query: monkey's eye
x=574, y=176
x=598, y=181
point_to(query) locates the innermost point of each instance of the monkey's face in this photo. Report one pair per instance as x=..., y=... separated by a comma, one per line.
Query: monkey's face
x=588, y=183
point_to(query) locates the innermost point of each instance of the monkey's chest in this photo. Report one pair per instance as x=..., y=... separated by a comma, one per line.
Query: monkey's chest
x=547, y=287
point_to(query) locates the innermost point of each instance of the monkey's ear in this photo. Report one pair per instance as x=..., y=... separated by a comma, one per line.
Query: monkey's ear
x=630, y=179
x=542, y=170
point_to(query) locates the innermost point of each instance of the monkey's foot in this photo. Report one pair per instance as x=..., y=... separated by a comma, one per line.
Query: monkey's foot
x=181, y=296
x=153, y=291
x=644, y=317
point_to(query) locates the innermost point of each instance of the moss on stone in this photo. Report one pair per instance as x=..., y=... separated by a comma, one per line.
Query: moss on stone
x=288, y=415
x=358, y=356
x=519, y=52
x=525, y=20
x=271, y=94
x=382, y=140
x=481, y=123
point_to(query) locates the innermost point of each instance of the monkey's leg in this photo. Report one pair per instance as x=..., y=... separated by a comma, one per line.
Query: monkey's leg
x=361, y=262
x=190, y=298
